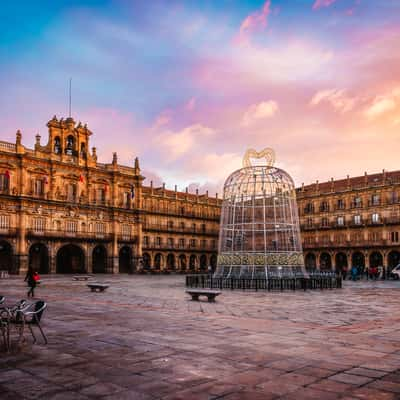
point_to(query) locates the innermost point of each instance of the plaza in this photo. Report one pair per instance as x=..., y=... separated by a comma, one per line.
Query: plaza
x=144, y=338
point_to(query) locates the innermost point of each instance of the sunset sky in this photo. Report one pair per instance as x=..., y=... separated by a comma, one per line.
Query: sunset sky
x=188, y=86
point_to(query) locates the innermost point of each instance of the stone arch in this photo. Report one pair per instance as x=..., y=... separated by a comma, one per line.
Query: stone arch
x=158, y=261
x=375, y=259
x=146, y=260
x=182, y=262
x=192, y=262
x=70, y=259
x=393, y=259
x=341, y=262
x=358, y=259
x=39, y=258
x=99, y=259
x=170, y=261
x=213, y=262
x=310, y=261
x=325, y=262
x=6, y=257
x=125, y=260
x=203, y=262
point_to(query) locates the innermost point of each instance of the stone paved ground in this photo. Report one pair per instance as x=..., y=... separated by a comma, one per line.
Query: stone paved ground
x=144, y=339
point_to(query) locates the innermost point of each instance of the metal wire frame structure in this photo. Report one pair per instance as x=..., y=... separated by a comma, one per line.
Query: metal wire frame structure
x=259, y=231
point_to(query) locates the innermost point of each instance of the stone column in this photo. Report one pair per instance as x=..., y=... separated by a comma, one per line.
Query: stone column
x=22, y=251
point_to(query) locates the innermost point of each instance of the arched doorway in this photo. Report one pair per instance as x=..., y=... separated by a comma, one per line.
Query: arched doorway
x=70, y=260
x=158, y=261
x=182, y=262
x=170, y=261
x=375, y=259
x=392, y=260
x=203, y=262
x=39, y=258
x=125, y=260
x=99, y=260
x=6, y=257
x=357, y=259
x=146, y=261
x=341, y=262
x=325, y=262
x=192, y=262
x=213, y=262
x=310, y=262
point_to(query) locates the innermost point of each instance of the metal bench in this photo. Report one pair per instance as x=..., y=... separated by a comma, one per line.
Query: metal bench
x=97, y=287
x=196, y=293
x=82, y=277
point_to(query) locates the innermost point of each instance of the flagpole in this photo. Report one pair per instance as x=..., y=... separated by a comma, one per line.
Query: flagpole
x=70, y=84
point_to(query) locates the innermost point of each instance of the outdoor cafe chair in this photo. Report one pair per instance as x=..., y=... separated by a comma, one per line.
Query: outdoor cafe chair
x=2, y=298
x=32, y=315
x=8, y=315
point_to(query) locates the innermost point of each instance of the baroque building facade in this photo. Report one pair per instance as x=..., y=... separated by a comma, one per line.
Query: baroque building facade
x=352, y=221
x=61, y=211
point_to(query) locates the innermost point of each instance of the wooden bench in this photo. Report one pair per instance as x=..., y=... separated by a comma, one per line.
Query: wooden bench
x=101, y=287
x=211, y=294
x=82, y=277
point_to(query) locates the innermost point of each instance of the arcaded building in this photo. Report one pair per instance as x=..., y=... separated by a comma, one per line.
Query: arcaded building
x=61, y=211
x=353, y=221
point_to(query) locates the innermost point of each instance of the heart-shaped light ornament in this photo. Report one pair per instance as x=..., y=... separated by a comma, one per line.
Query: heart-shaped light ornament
x=267, y=154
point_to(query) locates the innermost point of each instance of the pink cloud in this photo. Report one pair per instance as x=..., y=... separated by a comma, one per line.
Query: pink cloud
x=322, y=3
x=254, y=22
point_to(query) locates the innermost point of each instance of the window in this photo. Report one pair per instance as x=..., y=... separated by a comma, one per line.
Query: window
x=170, y=242
x=340, y=221
x=324, y=222
x=375, y=199
x=146, y=241
x=375, y=218
x=340, y=204
x=38, y=187
x=57, y=145
x=394, y=236
x=357, y=219
x=4, y=221
x=309, y=208
x=125, y=230
x=39, y=224
x=126, y=199
x=192, y=242
x=203, y=228
x=181, y=243
x=82, y=152
x=374, y=236
x=170, y=224
x=71, y=192
x=158, y=241
x=100, y=196
x=357, y=202
x=203, y=243
x=182, y=225
x=71, y=226
x=69, y=148
x=324, y=206
x=213, y=244
x=325, y=239
x=309, y=222
x=194, y=227
x=393, y=197
x=4, y=181
x=100, y=228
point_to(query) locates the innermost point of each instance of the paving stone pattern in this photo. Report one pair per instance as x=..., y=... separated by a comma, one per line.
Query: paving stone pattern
x=145, y=339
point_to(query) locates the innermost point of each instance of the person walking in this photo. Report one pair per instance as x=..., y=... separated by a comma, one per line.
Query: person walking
x=31, y=278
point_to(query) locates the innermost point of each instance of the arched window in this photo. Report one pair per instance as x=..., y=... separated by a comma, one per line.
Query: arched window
x=82, y=152
x=69, y=148
x=57, y=145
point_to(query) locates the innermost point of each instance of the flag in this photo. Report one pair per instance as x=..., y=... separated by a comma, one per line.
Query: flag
x=81, y=178
x=132, y=191
x=7, y=174
x=45, y=180
x=105, y=187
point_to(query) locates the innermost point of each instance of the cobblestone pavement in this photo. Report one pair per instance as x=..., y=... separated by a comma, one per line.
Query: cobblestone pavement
x=144, y=339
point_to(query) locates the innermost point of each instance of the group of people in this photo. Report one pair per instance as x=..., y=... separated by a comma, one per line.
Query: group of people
x=359, y=272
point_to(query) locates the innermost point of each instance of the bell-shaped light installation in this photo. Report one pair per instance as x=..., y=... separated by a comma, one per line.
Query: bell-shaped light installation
x=259, y=231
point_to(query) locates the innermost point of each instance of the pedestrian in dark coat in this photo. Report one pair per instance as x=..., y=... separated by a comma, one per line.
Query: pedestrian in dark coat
x=30, y=278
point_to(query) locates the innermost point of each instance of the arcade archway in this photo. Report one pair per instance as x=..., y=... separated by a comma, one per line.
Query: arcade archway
x=70, y=260
x=39, y=258
x=125, y=260
x=99, y=260
x=6, y=257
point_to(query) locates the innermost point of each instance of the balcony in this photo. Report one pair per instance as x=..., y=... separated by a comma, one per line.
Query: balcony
x=10, y=232
x=69, y=235
x=178, y=229
x=347, y=244
x=177, y=247
x=127, y=238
